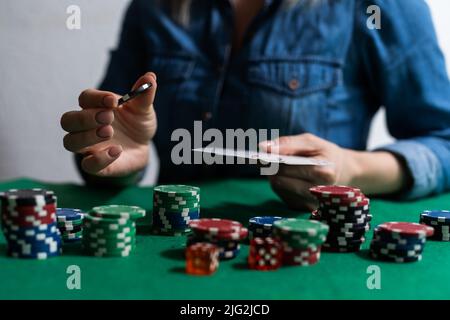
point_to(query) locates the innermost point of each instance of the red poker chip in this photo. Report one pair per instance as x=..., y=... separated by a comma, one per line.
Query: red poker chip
x=215, y=226
x=29, y=209
x=28, y=221
x=325, y=192
x=237, y=235
x=14, y=214
x=406, y=229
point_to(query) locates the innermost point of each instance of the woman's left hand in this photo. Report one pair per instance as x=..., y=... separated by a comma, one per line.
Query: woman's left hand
x=292, y=183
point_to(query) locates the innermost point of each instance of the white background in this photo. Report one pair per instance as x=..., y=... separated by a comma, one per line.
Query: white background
x=44, y=66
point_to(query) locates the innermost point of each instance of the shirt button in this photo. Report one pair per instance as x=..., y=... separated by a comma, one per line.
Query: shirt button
x=207, y=116
x=294, y=84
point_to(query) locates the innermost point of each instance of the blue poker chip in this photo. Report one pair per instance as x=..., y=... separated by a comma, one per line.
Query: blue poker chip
x=35, y=255
x=157, y=222
x=30, y=232
x=229, y=254
x=437, y=216
x=68, y=214
x=396, y=247
x=264, y=221
x=388, y=238
x=50, y=246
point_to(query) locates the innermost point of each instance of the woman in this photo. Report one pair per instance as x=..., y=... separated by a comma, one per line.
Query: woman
x=312, y=69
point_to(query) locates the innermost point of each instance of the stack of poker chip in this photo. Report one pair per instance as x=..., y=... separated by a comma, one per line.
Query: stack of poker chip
x=301, y=240
x=202, y=258
x=261, y=227
x=225, y=234
x=29, y=223
x=440, y=221
x=265, y=254
x=346, y=211
x=399, y=241
x=70, y=224
x=174, y=206
x=110, y=231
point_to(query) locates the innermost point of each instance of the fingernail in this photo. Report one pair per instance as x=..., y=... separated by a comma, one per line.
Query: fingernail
x=152, y=74
x=109, y=101
x=104, y=117
x=104, y=132
x=114, y=151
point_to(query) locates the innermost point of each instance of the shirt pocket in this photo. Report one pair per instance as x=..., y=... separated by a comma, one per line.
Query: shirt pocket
x=291, y=94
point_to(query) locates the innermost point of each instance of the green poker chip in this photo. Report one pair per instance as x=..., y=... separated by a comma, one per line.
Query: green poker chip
x=306, y=228
x=91, y=220
x=70, y=236
x=177, y=190
x=118, y=212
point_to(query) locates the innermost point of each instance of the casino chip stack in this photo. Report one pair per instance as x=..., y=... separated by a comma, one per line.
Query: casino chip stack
x=110, y=231
x=174, y=206
x=346, y=211
x=225, y=234
x=261, y=227
x=70, y=224
x=301, y=240
x=265, y=254
x=29, y=223
x=399, y=241
x=440, y=221
x=202, y=258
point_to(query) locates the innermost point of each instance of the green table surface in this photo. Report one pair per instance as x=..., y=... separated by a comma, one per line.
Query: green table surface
x=156, y=269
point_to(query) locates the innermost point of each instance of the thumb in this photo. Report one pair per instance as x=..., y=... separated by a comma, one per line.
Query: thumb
x=300, y=145
x=144, y=102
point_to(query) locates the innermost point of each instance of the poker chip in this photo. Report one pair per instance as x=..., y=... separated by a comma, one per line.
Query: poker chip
x=118, y=211
x=300, y=240
x=70, y=224
x=176, y=190
x=29, y=223
x=346, y=211
x=406, y=229
x=306, y=228
x=335, y=192
x=399, y=241
x=202, y=258
x=225, y=234
x=110, y=231
x=261, y=227
x=174, y=207
x=28, y=197
x=439, y=220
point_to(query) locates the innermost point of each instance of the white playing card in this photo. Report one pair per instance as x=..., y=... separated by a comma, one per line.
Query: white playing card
x=264, y=157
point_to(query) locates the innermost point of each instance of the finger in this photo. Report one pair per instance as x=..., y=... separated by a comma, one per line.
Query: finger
x=316, y=175
x=92, y=98
x=303, y=144
x=97, y=161
x=144, y=102
x=295, y=186
x=77, y=141
x=75, y=121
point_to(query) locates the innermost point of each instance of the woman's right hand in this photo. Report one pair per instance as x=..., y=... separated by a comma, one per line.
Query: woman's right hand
x=114, y=140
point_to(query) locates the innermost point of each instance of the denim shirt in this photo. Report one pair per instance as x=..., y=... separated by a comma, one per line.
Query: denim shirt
x=312, y=67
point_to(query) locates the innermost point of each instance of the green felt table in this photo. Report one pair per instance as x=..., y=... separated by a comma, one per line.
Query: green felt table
x=156, y=269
